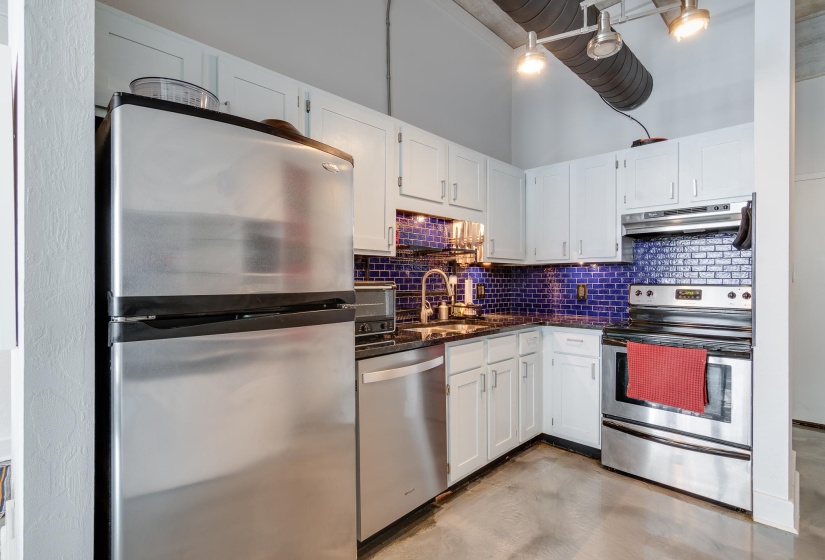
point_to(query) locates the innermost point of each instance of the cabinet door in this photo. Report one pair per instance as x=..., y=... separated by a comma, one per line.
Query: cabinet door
x=548, y=206
x=652, y=175
x=468, y=178
x=423, y=166
x=253, y=92
x=467, y=407
x=530, y=397
x=370, y=139
x=126, y=49
x=506, y=207
x=576, y=399
x=594, y=203
x=717, y=165
x=503, y=415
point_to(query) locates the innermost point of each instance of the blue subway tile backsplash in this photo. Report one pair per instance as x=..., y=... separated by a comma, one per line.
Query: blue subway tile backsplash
x=683, y=259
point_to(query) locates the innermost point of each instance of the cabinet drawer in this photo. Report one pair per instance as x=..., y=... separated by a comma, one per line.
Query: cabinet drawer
x=577, y=343
x=501, y=348
x=528, y=342
x=465, y=357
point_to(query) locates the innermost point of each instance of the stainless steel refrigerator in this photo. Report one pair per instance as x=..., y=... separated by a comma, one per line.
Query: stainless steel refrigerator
x=229, y=247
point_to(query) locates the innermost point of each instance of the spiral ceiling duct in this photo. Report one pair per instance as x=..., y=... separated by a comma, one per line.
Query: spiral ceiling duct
x=621, y=79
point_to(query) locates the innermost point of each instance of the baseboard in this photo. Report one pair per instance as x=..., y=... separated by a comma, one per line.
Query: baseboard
x=809, y=424
x=568, y=445
x=778, y=512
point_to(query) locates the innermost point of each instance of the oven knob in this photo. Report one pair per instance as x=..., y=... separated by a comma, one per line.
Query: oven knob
x=383, y=326
x=649, y=293
x=638, y=292
x=746, y=295
x=732, y=295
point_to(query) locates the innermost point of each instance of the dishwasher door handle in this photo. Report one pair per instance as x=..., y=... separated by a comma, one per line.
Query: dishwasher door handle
x=387, y=374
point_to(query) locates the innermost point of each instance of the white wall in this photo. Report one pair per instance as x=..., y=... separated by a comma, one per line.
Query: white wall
x=5, y=355
x=700, y=84
x=775, y=480
x=807, y=231
x=53, y=367
x=451, y=75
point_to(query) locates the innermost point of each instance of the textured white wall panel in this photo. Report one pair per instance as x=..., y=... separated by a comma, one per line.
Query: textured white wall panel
x=53, y=369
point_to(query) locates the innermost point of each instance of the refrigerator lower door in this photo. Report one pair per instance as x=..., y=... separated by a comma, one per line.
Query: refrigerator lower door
x=234, y=439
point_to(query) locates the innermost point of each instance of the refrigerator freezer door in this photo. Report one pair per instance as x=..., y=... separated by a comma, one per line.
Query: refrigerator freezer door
x=236, y=445
x=202, y=207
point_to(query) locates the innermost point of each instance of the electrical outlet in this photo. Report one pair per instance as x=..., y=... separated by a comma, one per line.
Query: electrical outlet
x=479, y=291
x=581, y=292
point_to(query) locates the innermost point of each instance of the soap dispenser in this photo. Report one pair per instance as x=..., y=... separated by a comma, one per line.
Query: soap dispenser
x=443, y=311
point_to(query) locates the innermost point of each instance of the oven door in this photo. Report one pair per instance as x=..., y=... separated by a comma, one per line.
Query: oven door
x=727, y=417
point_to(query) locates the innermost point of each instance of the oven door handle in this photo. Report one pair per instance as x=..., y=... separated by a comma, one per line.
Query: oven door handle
x=614, y=342
x=677, y=444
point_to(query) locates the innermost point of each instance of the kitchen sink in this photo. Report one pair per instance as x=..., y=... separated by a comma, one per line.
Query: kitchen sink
x=452, y=328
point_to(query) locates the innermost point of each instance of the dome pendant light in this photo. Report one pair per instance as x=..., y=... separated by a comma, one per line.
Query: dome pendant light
x=605, y=42
x=690, y=20
x=534, y=60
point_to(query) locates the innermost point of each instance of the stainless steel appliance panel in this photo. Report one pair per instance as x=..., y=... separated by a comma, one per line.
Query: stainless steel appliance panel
x=202, y=207
x=218, y=441
x=738, y=430
x=714, y=471
x=402, y=435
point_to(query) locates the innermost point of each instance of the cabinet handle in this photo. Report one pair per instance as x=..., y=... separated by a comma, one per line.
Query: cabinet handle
x=390, y=236
x=492, y=247
x=483, y=382
x=495, y=379
x=593, y=371
x=564, y=249
x=672, y=189
x=444, y=189
x=581, y=247
x=695, y=188
x=455, y=191
x=524, y=375
x=579, y=340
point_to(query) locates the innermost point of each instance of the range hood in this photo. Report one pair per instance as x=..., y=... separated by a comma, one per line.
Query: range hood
x=714, y=217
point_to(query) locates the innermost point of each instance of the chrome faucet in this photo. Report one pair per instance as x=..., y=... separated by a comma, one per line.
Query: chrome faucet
x=426, y=310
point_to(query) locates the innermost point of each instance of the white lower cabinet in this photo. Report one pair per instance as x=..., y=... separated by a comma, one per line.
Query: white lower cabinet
x=574, y=388
x=503, y=407
x=467, y=406
x=530, y=397
x=493, y=398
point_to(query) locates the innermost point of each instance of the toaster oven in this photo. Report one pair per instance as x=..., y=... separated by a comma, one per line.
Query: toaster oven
x=374, y=308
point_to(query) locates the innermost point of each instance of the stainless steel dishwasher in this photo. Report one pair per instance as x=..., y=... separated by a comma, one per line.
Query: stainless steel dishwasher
x=402, y=435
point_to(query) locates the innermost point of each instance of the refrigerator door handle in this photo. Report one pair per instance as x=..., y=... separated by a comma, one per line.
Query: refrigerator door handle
x=204, y=326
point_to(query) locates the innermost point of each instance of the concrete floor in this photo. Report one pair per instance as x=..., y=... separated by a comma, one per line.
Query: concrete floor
x=548, y=503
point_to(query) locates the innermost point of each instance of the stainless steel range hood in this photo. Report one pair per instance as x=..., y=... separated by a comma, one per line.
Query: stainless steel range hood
x=713, y=217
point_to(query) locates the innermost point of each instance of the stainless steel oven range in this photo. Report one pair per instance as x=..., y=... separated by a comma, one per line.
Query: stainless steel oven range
x=707, y=454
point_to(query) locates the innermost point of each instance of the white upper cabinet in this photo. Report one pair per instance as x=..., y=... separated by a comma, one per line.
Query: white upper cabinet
x=506, y=207
x=253, y=92
x=651, y=175
x=423, y=169
x=370, y=138
x=548, y=214
x=717, y=165
x=126, y=49
x=468, y=178
x=595, y=231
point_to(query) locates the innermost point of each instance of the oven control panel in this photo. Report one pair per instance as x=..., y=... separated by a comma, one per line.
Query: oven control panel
x=731, y=297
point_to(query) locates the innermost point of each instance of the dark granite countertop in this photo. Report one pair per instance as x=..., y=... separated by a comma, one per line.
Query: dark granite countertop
x=403, y=340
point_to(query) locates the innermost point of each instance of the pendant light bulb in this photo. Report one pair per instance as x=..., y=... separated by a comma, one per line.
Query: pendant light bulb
x=690, y=20
x=533, y=60
x=605, y=42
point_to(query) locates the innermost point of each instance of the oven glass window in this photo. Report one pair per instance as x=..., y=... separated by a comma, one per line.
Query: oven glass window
x=718, y=378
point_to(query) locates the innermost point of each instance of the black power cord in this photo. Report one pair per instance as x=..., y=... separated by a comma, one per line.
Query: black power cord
x=626, y=115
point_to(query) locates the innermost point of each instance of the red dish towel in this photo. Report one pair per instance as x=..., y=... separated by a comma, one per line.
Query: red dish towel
x=666, y=375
